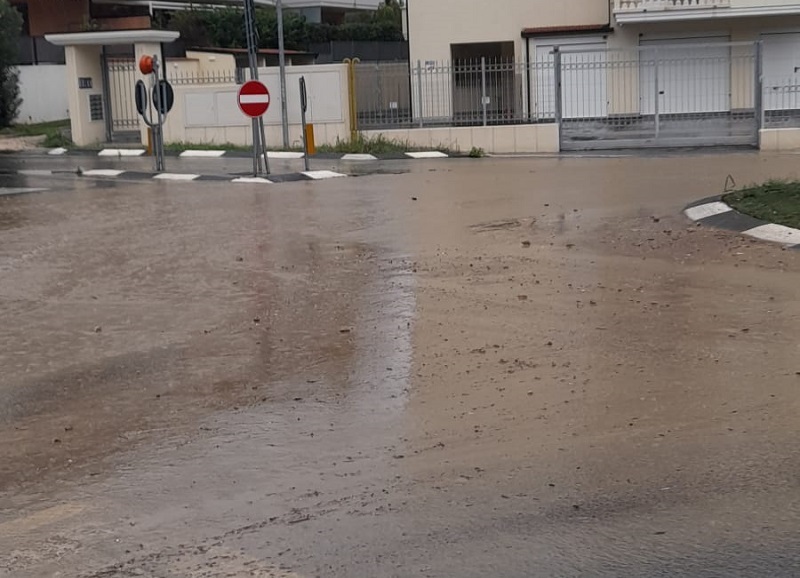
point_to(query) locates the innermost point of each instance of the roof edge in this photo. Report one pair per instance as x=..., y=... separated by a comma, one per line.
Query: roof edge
x=562, y=30
x=112, y=37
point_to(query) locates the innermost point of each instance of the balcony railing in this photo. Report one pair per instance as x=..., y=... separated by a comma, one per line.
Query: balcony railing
x=628, y=6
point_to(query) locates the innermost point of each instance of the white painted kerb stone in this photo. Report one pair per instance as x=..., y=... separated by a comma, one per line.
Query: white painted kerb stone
x=319, y=175
x=121, y=153
x=176, y=177
x=427, y=155
x=202, y=154
x=708, y=210
x=776, y=234
x=102, y=173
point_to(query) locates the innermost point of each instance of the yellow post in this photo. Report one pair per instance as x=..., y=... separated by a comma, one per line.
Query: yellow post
x=149, y=142
x=351, y=95
x=311, y=146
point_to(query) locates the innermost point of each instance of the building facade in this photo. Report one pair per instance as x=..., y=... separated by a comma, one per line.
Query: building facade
x=445, y=29
x=634, y=64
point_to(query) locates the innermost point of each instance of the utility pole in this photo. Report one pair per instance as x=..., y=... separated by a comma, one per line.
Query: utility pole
x=282, y=65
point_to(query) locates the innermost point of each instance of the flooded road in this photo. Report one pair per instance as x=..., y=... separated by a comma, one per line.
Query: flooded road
x=503, y=367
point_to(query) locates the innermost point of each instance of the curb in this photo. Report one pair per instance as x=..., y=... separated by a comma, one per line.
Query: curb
x=187, y=177
x=216, y=154
x=713, y=212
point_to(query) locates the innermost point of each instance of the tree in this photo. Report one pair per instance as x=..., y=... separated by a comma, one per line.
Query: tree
x=10, y=28
x=224, y=27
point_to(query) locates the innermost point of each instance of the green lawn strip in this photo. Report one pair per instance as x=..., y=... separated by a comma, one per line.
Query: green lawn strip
x=376, y=145
x=52, y=131
x=774, y=201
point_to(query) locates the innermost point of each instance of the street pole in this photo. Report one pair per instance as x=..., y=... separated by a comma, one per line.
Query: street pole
x=259, y=136
x=282, y=65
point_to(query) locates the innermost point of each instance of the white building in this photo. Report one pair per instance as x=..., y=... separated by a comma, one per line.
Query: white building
x=631, y=59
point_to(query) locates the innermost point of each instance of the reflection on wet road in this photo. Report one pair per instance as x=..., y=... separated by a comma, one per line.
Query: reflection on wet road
x=529, y=367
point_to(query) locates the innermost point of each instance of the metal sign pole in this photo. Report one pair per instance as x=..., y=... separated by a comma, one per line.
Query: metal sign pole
x=282, y=66
x=259, y=133
x=163, y=99
x=159, y=144
x=303, y=107
x=263, y=135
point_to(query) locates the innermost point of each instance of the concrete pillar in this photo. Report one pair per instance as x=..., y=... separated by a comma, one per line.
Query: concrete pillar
x=84, y=69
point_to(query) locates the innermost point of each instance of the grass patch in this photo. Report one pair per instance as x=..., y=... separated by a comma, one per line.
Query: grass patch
x=36, y=128
x=54, y=132
x=56, y=140
x=375, y=145
x=774, y=201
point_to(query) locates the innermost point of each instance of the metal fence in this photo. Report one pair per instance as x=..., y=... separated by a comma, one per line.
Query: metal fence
x=659, y=95
x=383, y=95
x=119, y=78
x=188, y=77
x=460, y=93
x=781, y=103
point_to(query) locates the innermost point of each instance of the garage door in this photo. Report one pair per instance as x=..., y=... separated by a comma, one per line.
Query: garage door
x=583, y=77
x=688, y=75
x=781, y=71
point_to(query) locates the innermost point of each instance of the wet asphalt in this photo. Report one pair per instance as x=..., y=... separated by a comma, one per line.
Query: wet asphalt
x=506, y=367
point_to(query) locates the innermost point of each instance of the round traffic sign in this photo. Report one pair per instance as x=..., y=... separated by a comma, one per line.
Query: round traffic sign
x=253, y=98
x=167, y=96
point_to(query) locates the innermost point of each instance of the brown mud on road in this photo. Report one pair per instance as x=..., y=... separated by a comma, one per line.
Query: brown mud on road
x=537, y=368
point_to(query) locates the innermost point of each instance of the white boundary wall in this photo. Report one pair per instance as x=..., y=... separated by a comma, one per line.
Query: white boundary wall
x=209, y=114
x=43, y=95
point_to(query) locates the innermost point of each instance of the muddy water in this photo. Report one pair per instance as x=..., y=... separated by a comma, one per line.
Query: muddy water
x=537, y=367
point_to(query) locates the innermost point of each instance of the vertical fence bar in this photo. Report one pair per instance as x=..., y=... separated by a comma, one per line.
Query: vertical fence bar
x=558, y=89
x=419, y=93
x=656, y=105
x=758, y=94
x=484, y=101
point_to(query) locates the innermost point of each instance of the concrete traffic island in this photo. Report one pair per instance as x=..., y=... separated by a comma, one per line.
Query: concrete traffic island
x=771, y=200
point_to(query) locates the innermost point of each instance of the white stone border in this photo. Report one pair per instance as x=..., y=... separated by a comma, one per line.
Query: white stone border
x=284, y=155
x=357, y=157
x=121, y=153
x=707, y=210
x=176, y=177
x=771, y=232
x=319, y=175
x=189, y=177
x=428, y=155
x=253, y=180
x=102, y=173
x=210, y=154
x=775, y=234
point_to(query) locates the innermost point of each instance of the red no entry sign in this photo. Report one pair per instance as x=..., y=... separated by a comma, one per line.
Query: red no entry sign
x=253, y=98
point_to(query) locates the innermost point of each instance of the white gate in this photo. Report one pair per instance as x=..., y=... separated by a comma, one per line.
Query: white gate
x=659, y=95
x=583, y=77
